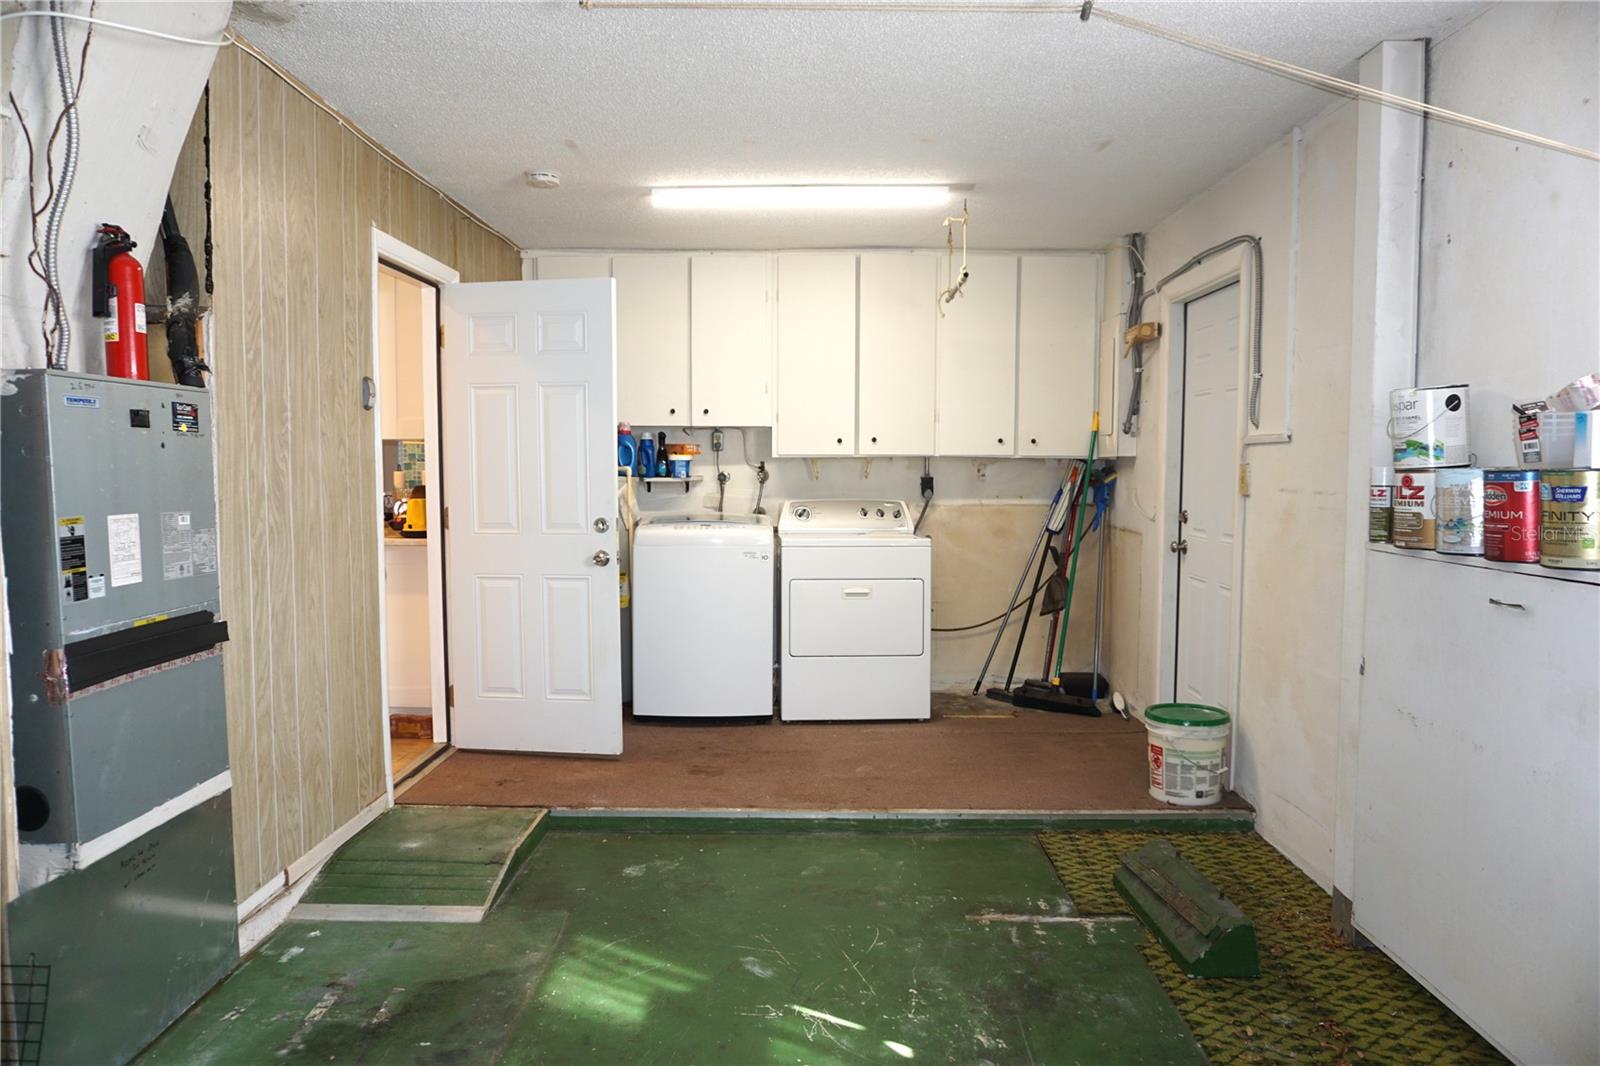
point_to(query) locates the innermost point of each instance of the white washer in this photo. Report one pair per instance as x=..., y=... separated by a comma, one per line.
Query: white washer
x=857, y=612
x=702, y=616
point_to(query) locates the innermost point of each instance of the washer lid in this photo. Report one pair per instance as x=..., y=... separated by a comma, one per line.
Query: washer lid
x=702, y=529
x=849, y=517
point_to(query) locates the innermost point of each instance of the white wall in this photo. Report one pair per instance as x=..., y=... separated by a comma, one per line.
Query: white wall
x=1509, y=232
x=1298, y=197
x=138, y=96
x=982, y=529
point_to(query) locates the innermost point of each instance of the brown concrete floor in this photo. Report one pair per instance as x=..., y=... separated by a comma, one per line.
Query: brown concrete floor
x=973, y=755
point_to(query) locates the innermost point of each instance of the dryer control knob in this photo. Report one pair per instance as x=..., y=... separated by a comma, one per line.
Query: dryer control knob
x=802, y=513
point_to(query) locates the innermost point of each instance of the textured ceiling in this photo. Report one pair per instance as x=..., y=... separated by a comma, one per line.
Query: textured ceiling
x=1069, y=133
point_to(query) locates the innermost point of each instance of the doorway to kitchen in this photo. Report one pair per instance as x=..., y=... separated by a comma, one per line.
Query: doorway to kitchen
x=406, y=368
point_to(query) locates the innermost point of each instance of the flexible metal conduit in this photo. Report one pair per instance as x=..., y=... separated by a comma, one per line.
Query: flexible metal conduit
x=1137, y=316
x=58, y=206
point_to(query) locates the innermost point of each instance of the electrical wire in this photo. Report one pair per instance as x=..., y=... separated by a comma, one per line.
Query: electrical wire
x=140, y=30
x=59, y=353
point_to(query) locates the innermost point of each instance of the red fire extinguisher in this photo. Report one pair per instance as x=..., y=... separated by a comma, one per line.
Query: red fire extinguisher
x=119, y=300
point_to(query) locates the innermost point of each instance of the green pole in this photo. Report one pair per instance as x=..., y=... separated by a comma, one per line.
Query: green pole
x=1077, y=547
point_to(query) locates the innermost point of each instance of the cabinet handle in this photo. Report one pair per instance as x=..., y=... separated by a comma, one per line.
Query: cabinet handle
x=874, y=440
x=999, y=440
x=1033, y=440
x=672, y=410
x=1505, y=603
x=705, y=410
x=838, y=440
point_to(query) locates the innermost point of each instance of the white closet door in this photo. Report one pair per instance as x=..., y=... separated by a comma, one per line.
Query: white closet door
x=977, y=398
x=652, y=339
x=558, y=267
x=816, y=355
x=1058, y=327
x=730, y=340
x=896, y=375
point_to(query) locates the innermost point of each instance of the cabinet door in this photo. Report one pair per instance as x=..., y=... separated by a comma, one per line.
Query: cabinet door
x=816, y=355
x=652, y=339
x=898, y=316
x=976, y=409
x=1057, y=338
x=730, y=341
x=388, y=368
x=409, y=344
x=556, y=267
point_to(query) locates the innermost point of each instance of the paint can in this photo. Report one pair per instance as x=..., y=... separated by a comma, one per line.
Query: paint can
x=1458, y=511
x=1511, y=516
x=1186, y=749
x=1428, y=427
x=1380, y=495
x=1413, y=510
x=1569, y=519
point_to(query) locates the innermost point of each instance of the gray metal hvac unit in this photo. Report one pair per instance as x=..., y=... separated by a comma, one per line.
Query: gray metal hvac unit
x=109, y=521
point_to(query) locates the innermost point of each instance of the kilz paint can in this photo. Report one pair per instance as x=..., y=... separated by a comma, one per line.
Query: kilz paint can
x=1569, y=519
x=1428, y=427
x=1380, y=498
x=1413, y=510
x=1458, y=511
x=1511, y=516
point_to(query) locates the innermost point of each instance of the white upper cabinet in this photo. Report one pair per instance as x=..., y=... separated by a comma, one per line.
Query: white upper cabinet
x=401, y=315
x=652, y=339
x=730, y=331
x=556, y=267
x=1057, y=341
x=816, y=355
x=976, y=404
x=895, y=408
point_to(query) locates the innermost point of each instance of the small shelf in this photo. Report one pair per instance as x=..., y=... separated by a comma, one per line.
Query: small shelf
x=650, y=482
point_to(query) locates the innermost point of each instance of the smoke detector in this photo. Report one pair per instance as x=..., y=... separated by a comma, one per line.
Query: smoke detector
x=544, y=179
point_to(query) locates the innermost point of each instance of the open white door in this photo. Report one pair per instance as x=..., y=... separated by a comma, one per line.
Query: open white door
x=529, y=413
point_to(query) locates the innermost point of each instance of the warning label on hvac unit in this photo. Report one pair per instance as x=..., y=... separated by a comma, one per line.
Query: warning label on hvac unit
x=177, y=545
x=205, y=550
x=122, y=536
x=186, y=417
x=74, y=558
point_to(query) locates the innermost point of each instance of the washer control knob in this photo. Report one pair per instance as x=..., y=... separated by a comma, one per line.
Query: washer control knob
x=897, y=513
x=880, y=512
x=863, y=512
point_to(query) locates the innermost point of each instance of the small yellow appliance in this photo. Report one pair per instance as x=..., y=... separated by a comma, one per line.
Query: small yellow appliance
x=415, y=520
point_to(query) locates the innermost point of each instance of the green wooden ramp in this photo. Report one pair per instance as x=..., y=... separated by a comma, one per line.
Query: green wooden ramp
x=424, y=864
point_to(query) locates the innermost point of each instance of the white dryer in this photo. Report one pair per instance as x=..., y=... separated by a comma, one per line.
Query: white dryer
x=857, y=612
x=702, y=616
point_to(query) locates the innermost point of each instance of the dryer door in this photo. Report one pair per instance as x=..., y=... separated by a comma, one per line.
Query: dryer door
x=857, y=617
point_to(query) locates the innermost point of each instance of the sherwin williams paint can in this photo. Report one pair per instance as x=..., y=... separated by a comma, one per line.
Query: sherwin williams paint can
x=1380, y=497
x=1458, y=511
x=1413, y=510
x=1428, y=427
x=1511, y=516
x=1569, y=519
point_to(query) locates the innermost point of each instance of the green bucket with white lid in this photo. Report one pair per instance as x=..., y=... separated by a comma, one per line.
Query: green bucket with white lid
x=1187, y=752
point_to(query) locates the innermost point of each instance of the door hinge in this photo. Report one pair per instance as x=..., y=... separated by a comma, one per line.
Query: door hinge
x=441, y=336
x=449, y=695
x=1244, y=479
x=445, y=514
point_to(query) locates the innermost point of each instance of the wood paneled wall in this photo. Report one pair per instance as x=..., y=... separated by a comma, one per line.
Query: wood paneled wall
x=294, y=194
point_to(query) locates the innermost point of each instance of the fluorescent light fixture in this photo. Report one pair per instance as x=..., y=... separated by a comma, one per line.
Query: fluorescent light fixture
x=798, y=197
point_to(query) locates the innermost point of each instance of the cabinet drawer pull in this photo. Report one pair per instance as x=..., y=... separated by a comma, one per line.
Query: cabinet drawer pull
x=1505, y=603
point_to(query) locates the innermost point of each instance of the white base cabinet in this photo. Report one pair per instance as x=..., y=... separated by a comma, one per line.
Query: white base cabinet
x=1477, y=846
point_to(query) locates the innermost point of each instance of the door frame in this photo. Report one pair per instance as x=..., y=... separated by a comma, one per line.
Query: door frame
x=396, y=253
x=1232, y=267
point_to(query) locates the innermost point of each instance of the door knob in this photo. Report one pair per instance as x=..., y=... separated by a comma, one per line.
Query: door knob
x=601, y=558
x=601, y=525
x=1181, y=547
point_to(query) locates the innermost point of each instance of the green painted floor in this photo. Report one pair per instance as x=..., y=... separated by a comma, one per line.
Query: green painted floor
x=707, y=947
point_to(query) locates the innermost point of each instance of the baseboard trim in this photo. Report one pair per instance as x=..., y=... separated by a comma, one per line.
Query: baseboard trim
x=268, y=907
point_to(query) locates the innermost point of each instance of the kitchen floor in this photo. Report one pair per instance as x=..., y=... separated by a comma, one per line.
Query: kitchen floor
x=974, y=754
